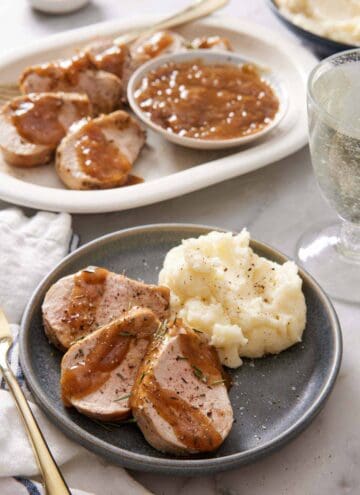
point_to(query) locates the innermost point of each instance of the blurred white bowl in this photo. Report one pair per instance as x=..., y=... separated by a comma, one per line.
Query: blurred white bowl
x=208, y=57
x=57, y=6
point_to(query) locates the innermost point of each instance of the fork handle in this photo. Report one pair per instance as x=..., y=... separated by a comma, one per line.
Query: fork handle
x=200, y=8
x=54, y=483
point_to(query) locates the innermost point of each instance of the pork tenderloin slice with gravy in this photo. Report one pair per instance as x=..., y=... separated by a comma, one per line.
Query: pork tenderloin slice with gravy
x=179, y=398
x=33, y=125
x=98, y=372
x=153, y=45
x=211, y=43
x=75, y=75
x=99, y=154
x=148, y=47
x=78, y=304
x=108, y=56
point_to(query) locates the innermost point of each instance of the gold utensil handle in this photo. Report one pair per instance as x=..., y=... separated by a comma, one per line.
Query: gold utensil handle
x=53, y=481
x=200, y=8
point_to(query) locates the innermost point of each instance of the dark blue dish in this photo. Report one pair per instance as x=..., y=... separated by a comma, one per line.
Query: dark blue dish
x=273, y=398
x=322, y=47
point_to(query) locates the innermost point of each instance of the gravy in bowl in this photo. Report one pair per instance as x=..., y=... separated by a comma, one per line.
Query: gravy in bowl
x=208, y=102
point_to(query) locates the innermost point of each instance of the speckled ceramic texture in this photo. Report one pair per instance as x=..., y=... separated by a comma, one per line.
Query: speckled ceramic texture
x=273, y=398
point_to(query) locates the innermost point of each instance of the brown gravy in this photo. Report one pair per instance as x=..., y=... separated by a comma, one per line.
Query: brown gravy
x=208, y=42
x=132, y=180
x=72, y=67
x=201, y=357
x=91, y=373
x=156, y=44
x=89, y=287
x=67, y=71
x=191, y=426
x=36, y=118
x=62, y=74
x=208, y=102
x=111, y=59
x=99, y=157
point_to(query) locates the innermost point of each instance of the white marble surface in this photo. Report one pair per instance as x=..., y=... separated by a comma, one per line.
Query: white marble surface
x=277, y=204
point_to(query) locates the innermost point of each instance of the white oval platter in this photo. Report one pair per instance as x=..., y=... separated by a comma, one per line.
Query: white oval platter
x=169, y=170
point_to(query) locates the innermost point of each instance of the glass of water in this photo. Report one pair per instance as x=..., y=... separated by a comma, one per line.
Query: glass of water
x=332, y=253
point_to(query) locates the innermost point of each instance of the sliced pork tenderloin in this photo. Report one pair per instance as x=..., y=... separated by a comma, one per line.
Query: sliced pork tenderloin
x=33, y=125
x=148, y=47
x=211, y=43
x=78, y=304
x=98, y=372
x=108, y=56
x=75, y=75
x=99, y=153
x=179, y=398
x=153, y=45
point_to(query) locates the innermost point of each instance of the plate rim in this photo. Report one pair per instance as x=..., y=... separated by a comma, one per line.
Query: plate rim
x=165, y=187
x=144, y=462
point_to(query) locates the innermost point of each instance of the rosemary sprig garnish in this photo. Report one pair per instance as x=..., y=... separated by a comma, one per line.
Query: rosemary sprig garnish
x=161, y=331
x=199, y=374
x=110, y=426
x=103, y=425
x=197, y=331
x=181, y=358
x=122, y=398
x=217, y=382
x=126, y=334
x=127, y=421
x=142, y=376
x=121, y=423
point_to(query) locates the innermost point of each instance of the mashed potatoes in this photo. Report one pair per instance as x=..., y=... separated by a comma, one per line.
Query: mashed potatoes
x=335, y=19
x=248, y=305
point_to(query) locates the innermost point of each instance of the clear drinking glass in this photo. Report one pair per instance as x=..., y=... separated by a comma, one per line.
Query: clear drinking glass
x=332, y=252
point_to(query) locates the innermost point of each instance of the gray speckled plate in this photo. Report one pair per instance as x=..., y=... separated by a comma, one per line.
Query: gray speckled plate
x=274, y=398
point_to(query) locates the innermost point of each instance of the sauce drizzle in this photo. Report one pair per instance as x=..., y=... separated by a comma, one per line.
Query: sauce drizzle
x=208, y=42
x=110, y=59
x=191, y=426
x=99, y=157
x=110, y=349
x=72, y=67
x=90, y=374
x=156, y=44
x=201, y=357
x=89, y=286
x=67, y=71
x=36, y=118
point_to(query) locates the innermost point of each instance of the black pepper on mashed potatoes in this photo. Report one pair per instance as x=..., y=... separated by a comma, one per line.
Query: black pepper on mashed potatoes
x=248, y=305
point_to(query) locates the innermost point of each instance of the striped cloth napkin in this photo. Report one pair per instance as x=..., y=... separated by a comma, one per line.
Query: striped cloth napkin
x=29, y=249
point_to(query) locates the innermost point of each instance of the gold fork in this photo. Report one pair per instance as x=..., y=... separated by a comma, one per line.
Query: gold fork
x=198, y=9
x=54, y=483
